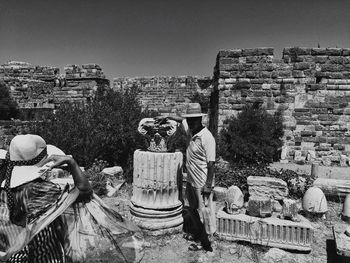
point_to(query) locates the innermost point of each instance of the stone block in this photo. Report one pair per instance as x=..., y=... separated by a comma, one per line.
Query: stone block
x=342, y=241
x=326, y=161
x=289, y=209
x=276, y=206
x=259, y=206
x=343, y=160
x=321, y=59
x=220, y=193
x=270, y=231
x=233, y=200
x=302, y=65
x=230, y=53
x=333, y=51
x=259, y=186
x=115, y=171
x=318, y=51
x=311, y=155
x=295, y=51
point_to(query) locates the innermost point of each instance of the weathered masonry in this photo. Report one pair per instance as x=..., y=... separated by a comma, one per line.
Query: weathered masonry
x=37, y=89
x=311, y=86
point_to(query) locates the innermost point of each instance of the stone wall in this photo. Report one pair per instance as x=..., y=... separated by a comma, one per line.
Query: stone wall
x=311, y=86
x=169, y=95
x=41, y=88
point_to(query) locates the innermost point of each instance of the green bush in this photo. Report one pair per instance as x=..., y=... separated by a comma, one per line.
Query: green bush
x=251, y=138
x=104, y=128
x=8, y=107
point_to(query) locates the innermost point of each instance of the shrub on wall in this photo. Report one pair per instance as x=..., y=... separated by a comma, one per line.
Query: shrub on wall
x=104, y=128
x=251, y=138
x=8, y=107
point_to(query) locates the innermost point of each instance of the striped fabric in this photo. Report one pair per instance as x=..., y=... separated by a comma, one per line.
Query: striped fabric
x=34, y=198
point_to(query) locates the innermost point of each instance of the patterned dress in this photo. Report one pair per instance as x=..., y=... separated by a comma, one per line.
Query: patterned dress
x=35, y=198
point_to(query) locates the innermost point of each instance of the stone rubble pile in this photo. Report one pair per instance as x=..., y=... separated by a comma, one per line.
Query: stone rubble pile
x=261, y=222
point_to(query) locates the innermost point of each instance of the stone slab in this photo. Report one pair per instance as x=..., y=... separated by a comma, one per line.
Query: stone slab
x=333, y=187
x=259, y=186
x=272, y=231
x=342, y=241
x=260, y=207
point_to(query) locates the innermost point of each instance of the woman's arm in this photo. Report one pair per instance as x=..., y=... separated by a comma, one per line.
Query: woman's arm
x=162, y=119
x=80, y=180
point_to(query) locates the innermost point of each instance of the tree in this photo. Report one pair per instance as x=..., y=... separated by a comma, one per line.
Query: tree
x=104, y=129
x=253, y=137
x=8, y=107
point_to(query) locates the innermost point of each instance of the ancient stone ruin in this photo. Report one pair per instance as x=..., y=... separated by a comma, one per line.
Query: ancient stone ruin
x=309, y=86
x=259, y=222
x=155, y=204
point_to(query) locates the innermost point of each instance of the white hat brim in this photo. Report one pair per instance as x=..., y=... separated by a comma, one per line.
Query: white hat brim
x=27, y=173
x=192, y=115
x=24, y=174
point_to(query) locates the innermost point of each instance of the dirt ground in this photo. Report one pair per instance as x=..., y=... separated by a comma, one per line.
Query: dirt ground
x=174, y=248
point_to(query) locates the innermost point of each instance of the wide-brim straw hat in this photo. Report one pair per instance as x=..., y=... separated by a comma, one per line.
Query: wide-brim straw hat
x=193, y=110
x=24, y=148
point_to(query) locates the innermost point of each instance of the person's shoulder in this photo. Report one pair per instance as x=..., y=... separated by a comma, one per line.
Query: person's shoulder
x=207, y=132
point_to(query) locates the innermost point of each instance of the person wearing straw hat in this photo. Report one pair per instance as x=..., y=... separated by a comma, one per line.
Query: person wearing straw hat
x=200, y=164
x=30, y=205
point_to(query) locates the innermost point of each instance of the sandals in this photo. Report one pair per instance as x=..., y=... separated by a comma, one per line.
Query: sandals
x=188, y=237
x=195, y=247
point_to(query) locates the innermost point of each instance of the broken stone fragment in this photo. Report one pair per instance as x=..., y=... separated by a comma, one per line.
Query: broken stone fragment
x=342, y=240
x=219, y=193
x=290, y=209
x=259, y=186
x=346, y=209
x=260, y=207
x=314, y=201
x=115, y=171
x=233, y=200
x=276, y=206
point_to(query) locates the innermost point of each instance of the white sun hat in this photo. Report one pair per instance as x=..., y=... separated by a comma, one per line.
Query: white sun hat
x=193, y=110
x=25, y=148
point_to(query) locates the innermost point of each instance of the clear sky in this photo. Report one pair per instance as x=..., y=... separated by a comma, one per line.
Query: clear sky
x=162, y=37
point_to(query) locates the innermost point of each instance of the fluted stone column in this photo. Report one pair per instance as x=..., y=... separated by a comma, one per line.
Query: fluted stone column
x=155, y=203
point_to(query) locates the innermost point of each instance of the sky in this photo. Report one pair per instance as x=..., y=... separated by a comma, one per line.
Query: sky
x=130, y=38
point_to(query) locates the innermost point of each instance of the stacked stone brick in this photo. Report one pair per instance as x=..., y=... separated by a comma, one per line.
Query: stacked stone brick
x=41, y=88
x=85, y=71
x=26, y=70
x=168, y=95
x=311, y=86
x=321, y=110
x=72, y=71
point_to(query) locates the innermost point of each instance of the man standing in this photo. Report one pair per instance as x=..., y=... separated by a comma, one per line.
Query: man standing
x=200, y=163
